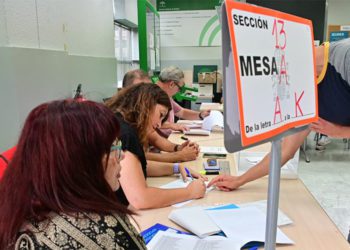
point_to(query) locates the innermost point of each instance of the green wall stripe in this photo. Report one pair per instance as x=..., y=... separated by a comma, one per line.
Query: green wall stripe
x=213, y=34
x=206, y=28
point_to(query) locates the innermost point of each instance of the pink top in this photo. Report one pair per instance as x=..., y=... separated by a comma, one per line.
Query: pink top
x=176, y=108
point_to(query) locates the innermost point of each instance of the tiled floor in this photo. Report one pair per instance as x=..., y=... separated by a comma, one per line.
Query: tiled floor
x=327, y=177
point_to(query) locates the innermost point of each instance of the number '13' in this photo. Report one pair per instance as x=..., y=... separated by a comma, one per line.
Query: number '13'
x=281, y=35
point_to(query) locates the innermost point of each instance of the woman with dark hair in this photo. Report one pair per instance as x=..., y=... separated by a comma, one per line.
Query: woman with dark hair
x=58, y=190
x=140, y=110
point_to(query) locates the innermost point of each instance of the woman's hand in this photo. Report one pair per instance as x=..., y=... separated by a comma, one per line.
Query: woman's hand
x=193, y=173
x=196, y=189
x=226, y=182
x=188, y=144
x=188, y=151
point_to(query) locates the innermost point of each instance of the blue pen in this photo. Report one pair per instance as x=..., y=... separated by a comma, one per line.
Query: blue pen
x=188, y=173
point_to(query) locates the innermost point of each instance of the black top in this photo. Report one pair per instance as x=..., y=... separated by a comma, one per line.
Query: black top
x=334, y=98
x=131, y=143
x=334, y=89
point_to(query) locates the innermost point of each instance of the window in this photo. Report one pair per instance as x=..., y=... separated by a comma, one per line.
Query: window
x=126, y=50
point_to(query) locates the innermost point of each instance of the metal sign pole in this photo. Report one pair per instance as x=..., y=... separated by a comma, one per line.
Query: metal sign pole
x=273, y=195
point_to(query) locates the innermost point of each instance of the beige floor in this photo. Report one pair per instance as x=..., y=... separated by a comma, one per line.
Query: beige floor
x=327, y=177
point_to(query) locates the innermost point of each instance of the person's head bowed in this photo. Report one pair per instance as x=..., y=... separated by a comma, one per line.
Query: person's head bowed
x=144, y=106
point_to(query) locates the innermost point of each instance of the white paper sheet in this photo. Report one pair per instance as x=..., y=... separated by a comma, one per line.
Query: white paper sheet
x=214, y=119
x=282, y=220
x=196, y=122
x=181, y=184
x=213, y=150
x=170, y=241
x=195, y=131
x=244, y=224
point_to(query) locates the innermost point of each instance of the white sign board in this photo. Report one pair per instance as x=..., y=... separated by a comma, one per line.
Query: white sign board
x=274, y=70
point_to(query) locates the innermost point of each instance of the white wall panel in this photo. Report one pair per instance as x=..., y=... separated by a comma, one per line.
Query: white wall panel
x=21, y=18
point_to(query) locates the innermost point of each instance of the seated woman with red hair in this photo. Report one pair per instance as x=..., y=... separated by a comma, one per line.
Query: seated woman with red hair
x=58, y=190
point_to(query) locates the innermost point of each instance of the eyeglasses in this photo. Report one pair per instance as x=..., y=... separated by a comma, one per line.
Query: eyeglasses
x=178, y=85
x=117, y=147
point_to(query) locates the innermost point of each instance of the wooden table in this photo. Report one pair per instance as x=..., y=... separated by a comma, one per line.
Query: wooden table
x=311, y=228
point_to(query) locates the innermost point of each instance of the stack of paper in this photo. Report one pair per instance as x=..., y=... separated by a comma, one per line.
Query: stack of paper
x=215, y=119
x=213, y=150
x=195, y=220
x=240, y=225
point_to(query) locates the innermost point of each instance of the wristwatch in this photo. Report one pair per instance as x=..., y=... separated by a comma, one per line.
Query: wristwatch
x=200, y=116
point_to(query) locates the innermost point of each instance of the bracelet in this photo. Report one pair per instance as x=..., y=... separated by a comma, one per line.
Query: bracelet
x=200, y=116
x=176, y=169
x=176, y=148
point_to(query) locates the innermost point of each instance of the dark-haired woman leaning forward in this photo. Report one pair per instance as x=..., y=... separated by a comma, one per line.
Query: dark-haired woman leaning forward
x=140, y=109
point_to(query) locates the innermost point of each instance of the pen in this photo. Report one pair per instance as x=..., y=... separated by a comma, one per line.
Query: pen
x=209, y=172
x=188, y=173
x=184, y=138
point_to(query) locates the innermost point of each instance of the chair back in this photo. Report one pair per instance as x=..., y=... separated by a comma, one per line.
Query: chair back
x=5, y=158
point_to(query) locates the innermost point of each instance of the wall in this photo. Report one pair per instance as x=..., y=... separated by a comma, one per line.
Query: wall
x=47, y=48
x=186, y=57
x=338, y=12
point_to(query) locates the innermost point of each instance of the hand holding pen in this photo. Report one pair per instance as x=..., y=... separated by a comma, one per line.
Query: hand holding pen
x=188, y=173
x=184, y=171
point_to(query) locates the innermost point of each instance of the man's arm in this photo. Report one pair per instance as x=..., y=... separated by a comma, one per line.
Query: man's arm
x=331, y=129
x=189, y=114
x=175, y=126
x=290, y=145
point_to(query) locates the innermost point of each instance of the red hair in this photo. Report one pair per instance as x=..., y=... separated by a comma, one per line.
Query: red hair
x=58, y=165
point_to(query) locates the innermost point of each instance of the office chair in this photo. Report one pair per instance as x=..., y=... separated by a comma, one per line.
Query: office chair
x=5, y=158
